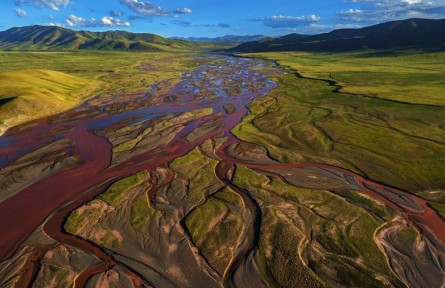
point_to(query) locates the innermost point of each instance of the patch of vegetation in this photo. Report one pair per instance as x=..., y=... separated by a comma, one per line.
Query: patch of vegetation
x=116, y=192
x=200, y=219
x=74, y=223
x=284, y=263
x=128, y=145
x=228, y=196
x=109, y=240
x=439, y=207
x=142, y=212
x=215, y=228
x=85, y=222
x=159, y=126
x=59, y=274
x=199, y=170
x=371, y=206
x=407, y=235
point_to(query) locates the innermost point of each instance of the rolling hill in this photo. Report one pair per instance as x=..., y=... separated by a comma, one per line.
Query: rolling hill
x=51, y=38
x=418, y=34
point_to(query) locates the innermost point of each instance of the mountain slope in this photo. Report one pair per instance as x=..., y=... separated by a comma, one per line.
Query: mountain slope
x=61, y=39
x=422, y=34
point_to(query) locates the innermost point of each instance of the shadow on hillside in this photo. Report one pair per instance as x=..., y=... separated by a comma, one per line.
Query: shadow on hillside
x=3, y=101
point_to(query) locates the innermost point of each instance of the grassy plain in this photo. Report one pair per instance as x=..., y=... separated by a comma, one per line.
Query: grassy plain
x=37, y=84
x=387, y=122
x=414, y=78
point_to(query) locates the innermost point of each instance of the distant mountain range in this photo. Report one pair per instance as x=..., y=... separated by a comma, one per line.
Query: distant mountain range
x=418, y=34
x=228, y=39
x=51, y=38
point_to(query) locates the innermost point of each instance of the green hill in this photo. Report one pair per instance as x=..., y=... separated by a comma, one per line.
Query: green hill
x=51, y=38
x=26, y=94
x=417, y=34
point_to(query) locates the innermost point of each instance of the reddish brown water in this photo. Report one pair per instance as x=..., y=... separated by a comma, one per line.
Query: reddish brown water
x=53, y=198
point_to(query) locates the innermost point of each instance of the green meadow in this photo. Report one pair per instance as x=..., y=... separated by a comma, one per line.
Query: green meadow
x=387, y=120
x=37, y=84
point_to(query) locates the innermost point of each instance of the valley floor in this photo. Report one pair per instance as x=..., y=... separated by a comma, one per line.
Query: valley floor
x=207, y=170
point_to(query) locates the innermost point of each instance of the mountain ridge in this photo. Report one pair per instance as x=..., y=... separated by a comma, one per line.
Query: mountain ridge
x=53, y=38
x=414, y=33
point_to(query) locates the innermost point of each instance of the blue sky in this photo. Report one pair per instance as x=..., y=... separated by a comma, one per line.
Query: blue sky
x=212, y=18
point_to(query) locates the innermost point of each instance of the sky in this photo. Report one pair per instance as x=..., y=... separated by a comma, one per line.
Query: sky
x=213, y=18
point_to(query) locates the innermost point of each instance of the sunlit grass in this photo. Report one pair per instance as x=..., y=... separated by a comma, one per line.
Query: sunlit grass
x=408, y=77
x=401, y=144
x=36, y=84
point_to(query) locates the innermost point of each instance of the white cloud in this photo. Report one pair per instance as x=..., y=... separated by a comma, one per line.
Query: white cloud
x=106, y=21
x=184, y=10
x=74, y=21
x=52, y=4
x=20, y=13
x=115, y=13
x=190, y=24
x=280, y=21
x=412, y=1
x=145, y=8
x=54, y=24
x=351, y=12
x=316, y=28
x=220, y=30
x=312, y=18
x=110, y=21
x=376, y=11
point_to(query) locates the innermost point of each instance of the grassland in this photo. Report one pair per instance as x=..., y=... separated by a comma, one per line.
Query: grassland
x=199, y=169
x=33, y=93
x=116, y=192
x=413, y=78
x=386, y=122
x=37, y=84
x=215, y=227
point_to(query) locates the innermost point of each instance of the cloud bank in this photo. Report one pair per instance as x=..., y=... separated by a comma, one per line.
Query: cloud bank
x=20, y=13
x=377, y=11
x=280, y=21
x=106, y=21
